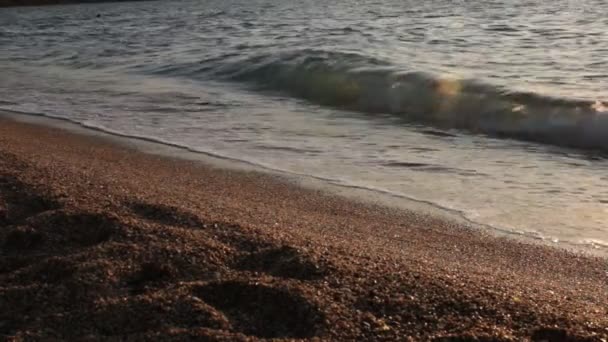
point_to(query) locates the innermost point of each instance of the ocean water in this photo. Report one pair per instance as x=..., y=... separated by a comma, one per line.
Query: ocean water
x=490, y=109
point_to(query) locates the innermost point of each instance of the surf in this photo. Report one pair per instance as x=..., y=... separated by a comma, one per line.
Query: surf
x=374, y=87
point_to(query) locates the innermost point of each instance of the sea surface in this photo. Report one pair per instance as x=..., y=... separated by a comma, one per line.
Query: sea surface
x=490, y=109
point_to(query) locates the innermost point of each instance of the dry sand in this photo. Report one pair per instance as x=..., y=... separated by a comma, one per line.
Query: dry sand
x=99, y=241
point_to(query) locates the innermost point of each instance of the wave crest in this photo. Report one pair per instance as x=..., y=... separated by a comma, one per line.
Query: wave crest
x=368, y=85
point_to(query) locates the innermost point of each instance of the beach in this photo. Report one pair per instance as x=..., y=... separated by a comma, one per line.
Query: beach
x=102, y=241
x=475, y=110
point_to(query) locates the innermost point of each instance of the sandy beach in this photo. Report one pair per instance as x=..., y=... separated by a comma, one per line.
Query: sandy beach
x=101, y=241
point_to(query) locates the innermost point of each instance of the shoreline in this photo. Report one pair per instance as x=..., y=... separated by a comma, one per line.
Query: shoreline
x=351, y=192
x=175, y=234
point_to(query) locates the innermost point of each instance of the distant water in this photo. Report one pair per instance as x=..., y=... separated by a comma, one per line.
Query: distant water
x=492, y=109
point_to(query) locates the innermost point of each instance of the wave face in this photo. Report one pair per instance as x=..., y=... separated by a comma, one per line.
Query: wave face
x=354, y=82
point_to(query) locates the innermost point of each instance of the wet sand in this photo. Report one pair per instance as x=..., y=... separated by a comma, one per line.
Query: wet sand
x=100, y=241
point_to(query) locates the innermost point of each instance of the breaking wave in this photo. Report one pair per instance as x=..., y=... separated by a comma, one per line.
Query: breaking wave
x=372, y=86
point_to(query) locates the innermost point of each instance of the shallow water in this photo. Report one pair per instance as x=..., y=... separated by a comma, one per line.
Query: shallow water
x=490, y=110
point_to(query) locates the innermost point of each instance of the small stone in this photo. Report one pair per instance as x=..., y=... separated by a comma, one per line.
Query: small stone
x=384, y=327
